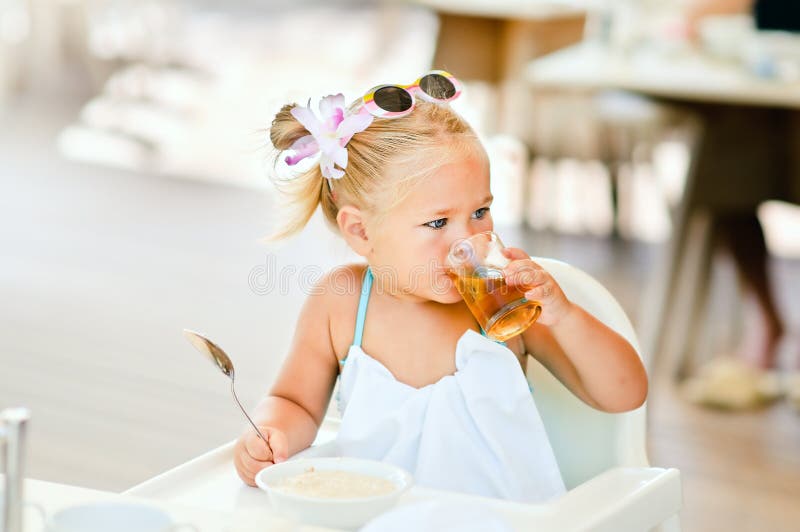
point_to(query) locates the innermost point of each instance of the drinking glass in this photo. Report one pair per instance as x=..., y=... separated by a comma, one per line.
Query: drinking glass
x=476, y=267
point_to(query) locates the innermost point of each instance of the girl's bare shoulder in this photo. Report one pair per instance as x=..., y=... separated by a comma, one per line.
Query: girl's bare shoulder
x=341, y=288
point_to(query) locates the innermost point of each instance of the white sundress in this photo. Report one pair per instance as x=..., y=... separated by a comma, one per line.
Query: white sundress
x=476, y=431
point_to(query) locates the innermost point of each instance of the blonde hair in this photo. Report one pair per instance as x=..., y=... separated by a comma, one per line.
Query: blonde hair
x=419, y=143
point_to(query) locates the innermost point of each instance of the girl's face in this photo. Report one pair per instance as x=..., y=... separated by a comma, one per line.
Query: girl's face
x=410, y=246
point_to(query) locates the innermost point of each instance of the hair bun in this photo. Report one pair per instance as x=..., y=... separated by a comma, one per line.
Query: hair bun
x=285, y=129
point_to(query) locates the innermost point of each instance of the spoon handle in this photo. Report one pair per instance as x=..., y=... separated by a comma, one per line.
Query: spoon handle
x=248, y=418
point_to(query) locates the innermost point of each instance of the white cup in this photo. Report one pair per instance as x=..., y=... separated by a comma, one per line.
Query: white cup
x=108, y=516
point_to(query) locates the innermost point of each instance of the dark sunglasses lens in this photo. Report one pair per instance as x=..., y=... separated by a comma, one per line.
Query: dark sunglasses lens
x=437, y=86
x=393, y=99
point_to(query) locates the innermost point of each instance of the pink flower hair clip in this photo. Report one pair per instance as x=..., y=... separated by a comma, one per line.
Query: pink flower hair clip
x=329, y=134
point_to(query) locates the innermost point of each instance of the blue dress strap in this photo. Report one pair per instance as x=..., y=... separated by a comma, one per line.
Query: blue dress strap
x=362, y=307
x=496, y=341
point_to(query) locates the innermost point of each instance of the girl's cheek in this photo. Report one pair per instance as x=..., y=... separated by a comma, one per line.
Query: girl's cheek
x=435, y=242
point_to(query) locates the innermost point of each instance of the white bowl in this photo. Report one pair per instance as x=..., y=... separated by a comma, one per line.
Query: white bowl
x=335, y=513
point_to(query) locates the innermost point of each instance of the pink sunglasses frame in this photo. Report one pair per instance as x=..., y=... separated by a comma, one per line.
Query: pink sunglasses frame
x=369, y=105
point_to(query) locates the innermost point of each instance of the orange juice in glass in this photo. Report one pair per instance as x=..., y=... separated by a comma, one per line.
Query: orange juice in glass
x=476, y=267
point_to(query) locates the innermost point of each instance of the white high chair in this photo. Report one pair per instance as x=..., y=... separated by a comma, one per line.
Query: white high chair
x=602, y=457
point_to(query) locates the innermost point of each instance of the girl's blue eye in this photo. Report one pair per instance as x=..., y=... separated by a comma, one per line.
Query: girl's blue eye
x=480, y=213
x=437, y=224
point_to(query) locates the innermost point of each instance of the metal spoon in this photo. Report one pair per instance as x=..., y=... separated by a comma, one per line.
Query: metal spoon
x=223, y=362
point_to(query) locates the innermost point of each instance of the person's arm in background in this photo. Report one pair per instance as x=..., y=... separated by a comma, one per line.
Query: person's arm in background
x=703, y=8
x=697, y=10
x=768, y=14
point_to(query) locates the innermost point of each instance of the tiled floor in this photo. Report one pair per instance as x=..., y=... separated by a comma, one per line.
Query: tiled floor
x=102, y=269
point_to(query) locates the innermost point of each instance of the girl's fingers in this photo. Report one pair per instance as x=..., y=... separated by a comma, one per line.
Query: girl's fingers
x=256, y=447
x=242, y=472
x=522, y=270
x=251, y=465
x=252, y=454
x=524, y=273
x=515, y=254
x=542, y=292
x=279, y=445
x=247, y=468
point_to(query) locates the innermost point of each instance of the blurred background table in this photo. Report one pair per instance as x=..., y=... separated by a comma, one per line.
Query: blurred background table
x=748, y=127
x=493, y=41
x=688, y=76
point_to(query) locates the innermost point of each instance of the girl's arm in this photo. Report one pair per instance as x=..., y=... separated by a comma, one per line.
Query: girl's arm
x=592, y=361
x=299, y=398
x=292, y=412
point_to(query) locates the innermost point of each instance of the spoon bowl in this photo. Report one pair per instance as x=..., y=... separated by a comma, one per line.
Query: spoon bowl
x=211, y=350
x=225, y=365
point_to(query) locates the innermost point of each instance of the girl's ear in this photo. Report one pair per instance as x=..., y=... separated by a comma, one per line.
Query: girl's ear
x=352, y=225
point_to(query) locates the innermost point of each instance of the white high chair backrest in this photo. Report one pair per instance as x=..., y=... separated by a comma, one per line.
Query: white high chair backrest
x=587, y=441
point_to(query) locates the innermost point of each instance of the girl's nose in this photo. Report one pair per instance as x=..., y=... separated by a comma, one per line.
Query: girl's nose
x=466, y=232
x=472, y=232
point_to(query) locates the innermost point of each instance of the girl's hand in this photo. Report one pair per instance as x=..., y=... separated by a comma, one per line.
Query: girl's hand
x=251, y=454
x=538, y=285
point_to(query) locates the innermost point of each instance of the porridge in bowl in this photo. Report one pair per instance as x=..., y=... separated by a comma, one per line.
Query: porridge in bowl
x=335, y=484
x=336, y=492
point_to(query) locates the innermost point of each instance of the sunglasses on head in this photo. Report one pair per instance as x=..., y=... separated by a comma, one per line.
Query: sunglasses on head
x=395, y=101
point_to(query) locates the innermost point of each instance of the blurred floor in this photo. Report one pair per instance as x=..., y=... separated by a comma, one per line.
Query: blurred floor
x=101, y=269
x=740, y=471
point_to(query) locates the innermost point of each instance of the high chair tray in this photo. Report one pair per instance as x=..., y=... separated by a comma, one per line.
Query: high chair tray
x=620, y=499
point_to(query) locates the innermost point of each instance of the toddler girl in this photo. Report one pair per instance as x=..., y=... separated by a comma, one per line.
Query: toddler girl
x=400, y=177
